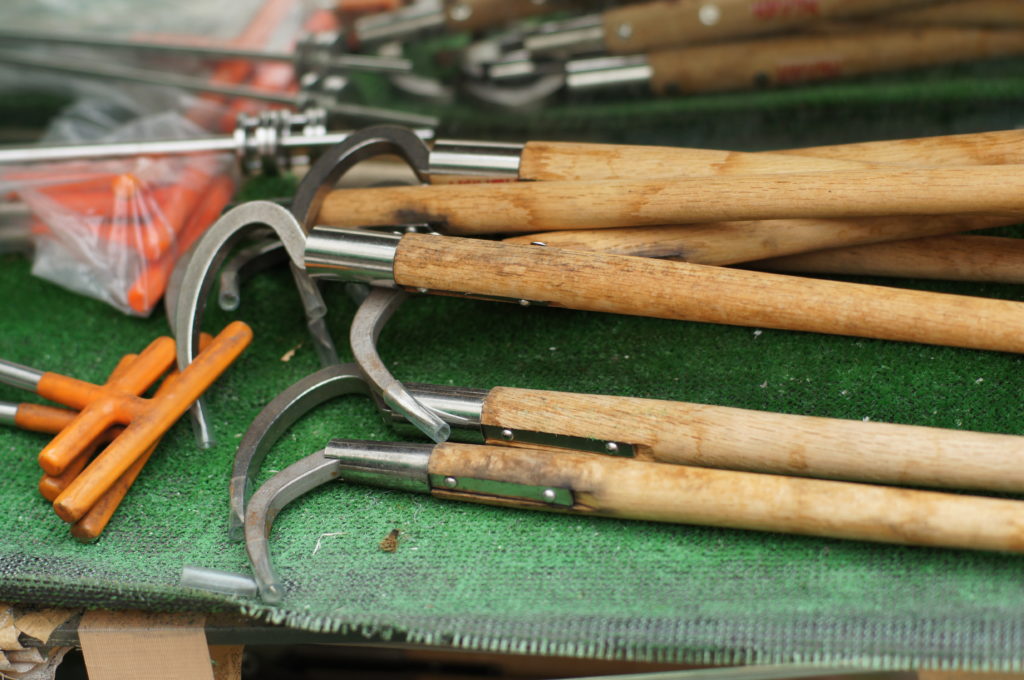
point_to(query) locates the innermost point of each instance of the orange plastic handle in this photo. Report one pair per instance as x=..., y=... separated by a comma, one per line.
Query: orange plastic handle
x=50, y=486
x=149, y=420
x=95, y=521
x=101, y=406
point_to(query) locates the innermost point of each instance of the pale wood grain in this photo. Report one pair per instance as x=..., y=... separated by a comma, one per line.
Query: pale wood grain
x=722, y=243
x=948, y=258
x=523, y=207
x=758, y=441
x=679, y=290
x=744, y=500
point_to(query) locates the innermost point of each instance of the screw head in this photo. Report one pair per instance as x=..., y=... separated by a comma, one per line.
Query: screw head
x=611, y=447
x=709, y=14
x=507, y=435
x=451, y=482
x=460, y=12
x=625, y=31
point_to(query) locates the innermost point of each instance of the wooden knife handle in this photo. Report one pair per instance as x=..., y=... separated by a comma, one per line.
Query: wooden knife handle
x=656, y=25
x=631, y=489
x=758, y=441
x=679, y=290
x=524, y=207
x=799, y=59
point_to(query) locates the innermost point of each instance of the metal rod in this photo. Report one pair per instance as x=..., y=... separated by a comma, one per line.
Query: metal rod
x=19, y=376
x=309, y=54
x=164, y=79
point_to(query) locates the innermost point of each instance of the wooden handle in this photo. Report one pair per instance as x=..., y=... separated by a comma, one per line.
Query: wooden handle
x=573, y=161
x=806, y=58
x=992, y=13
x=948, y=258
x=631, y=489
x=522, y=207
x=680, y=290
x=722, y=243
x=669, y=23
x=1001, y=147
x=477, y=15
x=756, y=441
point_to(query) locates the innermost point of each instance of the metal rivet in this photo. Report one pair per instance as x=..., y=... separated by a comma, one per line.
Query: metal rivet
x=625, y=31
x=549, y=495
x=524, y=303
x=460, y=12
x=611, y=447
x=451, y=482
x=537, y=243
x=422, y=290
x=709, y=14
x=507, y=435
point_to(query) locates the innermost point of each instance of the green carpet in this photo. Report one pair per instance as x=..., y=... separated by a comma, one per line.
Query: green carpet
x=486, y=578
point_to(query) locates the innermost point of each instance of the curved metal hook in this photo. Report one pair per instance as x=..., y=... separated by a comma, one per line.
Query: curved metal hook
x=275, y=418
x=339, y=159
x=367, y=324
x=280, y=490
x=197, y=272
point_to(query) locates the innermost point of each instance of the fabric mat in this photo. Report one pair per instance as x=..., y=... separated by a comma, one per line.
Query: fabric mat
x=487, y=578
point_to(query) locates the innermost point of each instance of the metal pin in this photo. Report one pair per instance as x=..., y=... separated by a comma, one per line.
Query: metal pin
x=451, y=482
x=507, y=435
x=549, y=495
x=709, y=15
x=611, y=447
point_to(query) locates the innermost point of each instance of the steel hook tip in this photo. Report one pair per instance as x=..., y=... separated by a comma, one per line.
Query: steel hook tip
x=276, y=417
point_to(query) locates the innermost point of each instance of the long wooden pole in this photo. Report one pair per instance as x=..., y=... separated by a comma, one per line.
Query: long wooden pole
x=523, y=207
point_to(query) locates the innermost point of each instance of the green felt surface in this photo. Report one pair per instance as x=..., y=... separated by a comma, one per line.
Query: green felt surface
x=488, y=578
x=499, y=579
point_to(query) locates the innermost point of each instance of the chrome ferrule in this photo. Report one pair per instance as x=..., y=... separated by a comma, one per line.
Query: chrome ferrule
x=460, y=407
x=392, y=465
x=601, y=73
x=8, y=413
x=19, y=376
x=566, y=39
x=483, y=159
x=351, y=254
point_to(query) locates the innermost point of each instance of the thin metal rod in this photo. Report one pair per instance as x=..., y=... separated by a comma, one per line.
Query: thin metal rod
x=8, y=413
x=19, y=376
x=164, y=79
x=317, y=55
x=158, y=78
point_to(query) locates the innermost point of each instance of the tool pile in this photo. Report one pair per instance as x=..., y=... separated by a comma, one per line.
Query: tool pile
x=113, y=423
x=694, y=463
x=689, y=235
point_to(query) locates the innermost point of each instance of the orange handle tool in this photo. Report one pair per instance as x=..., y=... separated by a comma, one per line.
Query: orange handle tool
x=100, y=406
x=95, y=521
x=146, y=420
x=53, y=420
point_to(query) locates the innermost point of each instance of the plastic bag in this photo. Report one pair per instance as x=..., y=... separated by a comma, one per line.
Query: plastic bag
x=114, y=229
